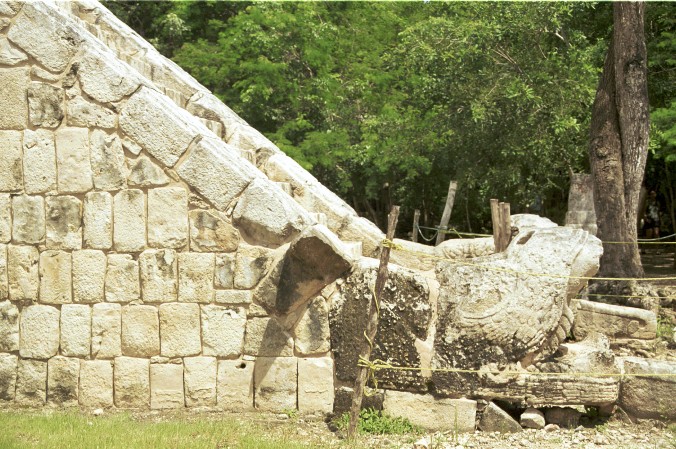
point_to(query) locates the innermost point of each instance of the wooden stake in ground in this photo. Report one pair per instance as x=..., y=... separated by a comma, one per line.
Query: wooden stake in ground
x=445, y=218
x=416, y=223
x=371, y=325
x=502, y=225
x=495, y=218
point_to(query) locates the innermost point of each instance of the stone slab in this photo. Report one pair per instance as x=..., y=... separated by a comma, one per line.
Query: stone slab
x=96, y=383
x=614, y=321
x=74, y=170
x=76, y=329
x=210, y=232
x=180, y=330
x=196, y=277
x=55, y=277
x=5, y=218
x=200, y=381
x=89, y=275
x=267, y=338
x=109, y=165
x=168, y=217
x=140, y=331
x=106, y=331
x=223, y=330
x=39, y=332
x=8, y=373
x=458, y=415
x=235, y=389
x=166, y=386
x=315, y=385
x=22, y=272
x=98, y=220
x=63, y=375
x=495, y=419
x=122, y=279
x=9, y=327
x=132, y=382
x=63, y=222
x=275, y=381
x=650, y=397
x=45, y=105
x=14, y=99
x=31, y=383
x=129, y=230
x=39, y=161
x=28, y=224
x=159, y=273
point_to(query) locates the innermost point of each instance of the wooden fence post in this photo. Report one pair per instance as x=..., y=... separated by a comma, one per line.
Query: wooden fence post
x=448, y=207
x=416, y=221
x=502, y=225
x=495, y=218
x=371, y=325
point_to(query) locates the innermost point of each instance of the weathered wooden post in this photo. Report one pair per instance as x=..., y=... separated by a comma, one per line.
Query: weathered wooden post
x=495, y=219
x=371, y=325
x=448, y=207
x=502, y=224
x=416, y=223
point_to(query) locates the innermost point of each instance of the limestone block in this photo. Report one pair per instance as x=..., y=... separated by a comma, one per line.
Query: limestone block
x=275, y=380
x=265, y=214
x=159, y=270
x=63, y=374
x=106, y=330
x=89, y=274
x=315, y=385
x=122, y=279
x=312, y=332
x=129, y=230
x=158, y=126
x=31, y=382
x=145, y=173
x=96, y=383
x=132, y=382
x=14, y=101
x=76, y=327
x=10, y=161
x=614, y=321
x=495, y=419
x=200, y=381
x=82, y=113
x=532, y=418
x=251, y=264
x=168, y=217
x=209, y=232
x=196, y=277
x=74, y=170
x=223, y=330
x=216, y=171
x=5, y=218
x=131, y=146
x=9, y=327
x=424, y=410
x=566, y=417
x=39, y=161
x=39, y=332
x=224, y=277
x=64, y=222
x=55, y=44
x=10, y=55
x=233, y=297
x=98, y=220
x=166, y=386
x=28, y=224
x=105, y=78
x=22, y=272
x=4, y=282
x=109, y=165
x=235, y=384
x=55, y=277
x=180, y=329
x=648, y=397
x=45, y=105
x=265, y=337
x=140, y=331
x=8, y=372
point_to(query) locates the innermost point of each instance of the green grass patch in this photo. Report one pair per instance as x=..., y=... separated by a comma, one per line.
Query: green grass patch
x=74, y=430
x=373, y=422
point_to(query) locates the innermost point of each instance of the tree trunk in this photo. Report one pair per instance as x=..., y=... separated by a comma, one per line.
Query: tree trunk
x=619, y=141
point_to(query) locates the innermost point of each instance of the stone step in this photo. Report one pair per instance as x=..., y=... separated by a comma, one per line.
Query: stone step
x=286, y=187
x=353, y=248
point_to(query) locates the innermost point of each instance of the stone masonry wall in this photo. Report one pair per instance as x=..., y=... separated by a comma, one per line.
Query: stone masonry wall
x=131, y=240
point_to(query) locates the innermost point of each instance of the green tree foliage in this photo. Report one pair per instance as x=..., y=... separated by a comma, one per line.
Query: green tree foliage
x=386, y=102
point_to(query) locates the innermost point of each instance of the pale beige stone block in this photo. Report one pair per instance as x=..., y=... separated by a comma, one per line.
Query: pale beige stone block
x=180, y=329
x=55, y=277
x=251, y=264
x=63, y=376
x=80, y=112
x=216, y=171
x=39, y=332
x=96, y=383
x=159, y=272
x=145, y=173
x=108, y=162
x=233, y=297
x=140, y=331
x=235, y=388
x=132, y=382
x=10, y=55
x=275, y=380
x=129, y=230
x=196, y=277
x=122, y=279
x=9, y=327
x=31, y=382
x=315, y=385
x=265, y=337
x=10, y=160
x=210, y=232
x=45, y=105
x=64, y=222
x=5, y=218
x=223, y=330
x=431, y=413
x=200, y=381
x=224, y=276
x=168, y=217
x=312, y=332
x=28, y=224
x=105, y=78
x=98, y=220
x=89, y=274
x=157, y=125
x=4, y=282
x=8, y=372
x=39, y=161
x=13, y=100
x=76, y=329
x=106, y=331
x=22, y=272
x=74, y=170
x=166, y=386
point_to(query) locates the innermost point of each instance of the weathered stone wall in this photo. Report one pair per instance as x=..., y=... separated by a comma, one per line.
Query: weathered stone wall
x=132, y=238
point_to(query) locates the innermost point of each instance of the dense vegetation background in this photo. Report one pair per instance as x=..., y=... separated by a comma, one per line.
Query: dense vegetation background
x=385, y=103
